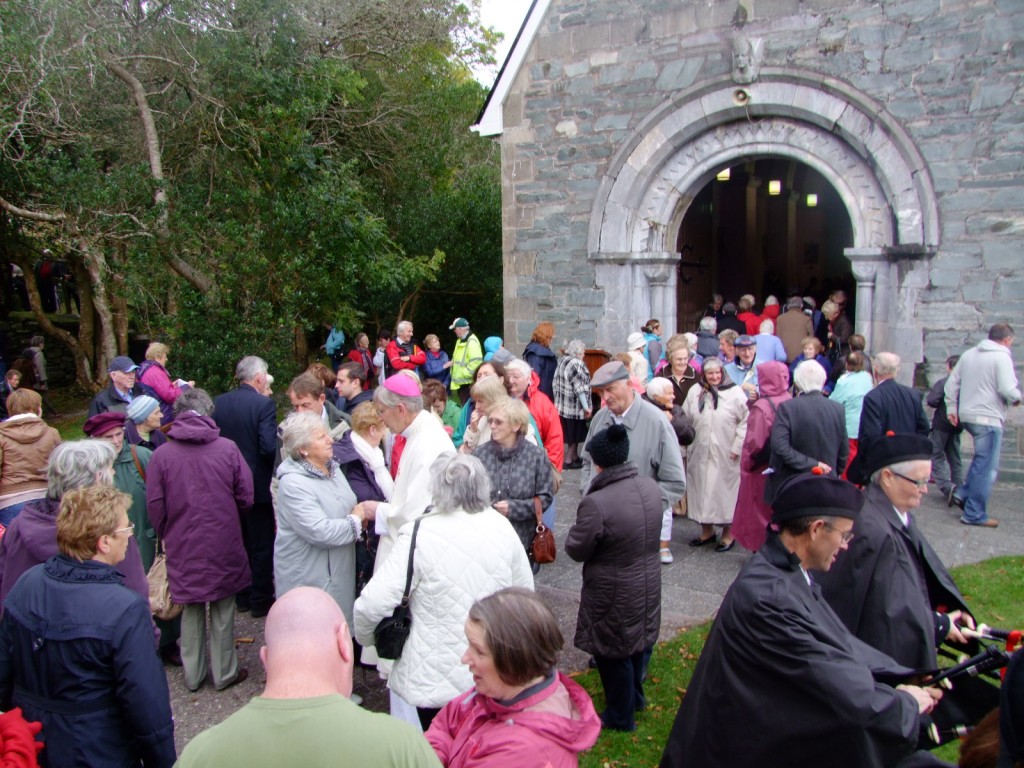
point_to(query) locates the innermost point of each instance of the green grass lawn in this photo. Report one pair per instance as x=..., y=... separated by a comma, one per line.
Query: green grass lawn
x=994, y=589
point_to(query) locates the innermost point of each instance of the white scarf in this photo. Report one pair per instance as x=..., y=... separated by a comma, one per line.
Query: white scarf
x=375, y=458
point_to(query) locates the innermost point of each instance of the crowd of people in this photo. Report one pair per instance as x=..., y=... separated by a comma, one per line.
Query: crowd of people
x=409, y=482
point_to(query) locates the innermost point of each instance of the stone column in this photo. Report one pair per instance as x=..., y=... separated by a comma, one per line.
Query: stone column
x=661, y=279
x=872, y=316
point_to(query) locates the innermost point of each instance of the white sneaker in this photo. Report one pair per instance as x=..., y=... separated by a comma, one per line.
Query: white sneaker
x=666, y=556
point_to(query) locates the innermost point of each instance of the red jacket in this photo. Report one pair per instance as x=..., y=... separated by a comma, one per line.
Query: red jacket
x=752, y=321
x=548, y=422
x=393, y=352
x=541, y=731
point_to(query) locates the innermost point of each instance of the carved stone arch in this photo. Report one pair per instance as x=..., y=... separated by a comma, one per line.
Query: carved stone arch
x=842, y=133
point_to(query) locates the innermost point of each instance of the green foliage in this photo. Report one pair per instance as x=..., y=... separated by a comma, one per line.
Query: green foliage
x=298, y=139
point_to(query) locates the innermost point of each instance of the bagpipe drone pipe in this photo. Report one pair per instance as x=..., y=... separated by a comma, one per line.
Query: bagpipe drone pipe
x=970, y=687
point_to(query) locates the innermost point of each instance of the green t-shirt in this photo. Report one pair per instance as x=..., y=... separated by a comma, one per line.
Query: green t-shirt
x=322, y=731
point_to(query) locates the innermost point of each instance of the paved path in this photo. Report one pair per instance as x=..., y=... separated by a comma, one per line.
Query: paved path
x=692, y=589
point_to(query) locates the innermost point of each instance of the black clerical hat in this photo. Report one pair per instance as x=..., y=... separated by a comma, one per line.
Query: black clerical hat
x=891, y=449
x=808, y=494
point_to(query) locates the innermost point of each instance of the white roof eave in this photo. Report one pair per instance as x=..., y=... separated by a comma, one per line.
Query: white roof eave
x=490, y=122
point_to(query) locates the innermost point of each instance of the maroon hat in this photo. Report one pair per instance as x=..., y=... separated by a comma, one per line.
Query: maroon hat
x=101, y=423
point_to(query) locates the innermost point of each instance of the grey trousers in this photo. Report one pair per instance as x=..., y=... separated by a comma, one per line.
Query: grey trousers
x=223, y=658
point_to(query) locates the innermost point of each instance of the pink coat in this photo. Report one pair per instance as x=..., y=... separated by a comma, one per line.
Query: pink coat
x=546, y=730
x=752, y=512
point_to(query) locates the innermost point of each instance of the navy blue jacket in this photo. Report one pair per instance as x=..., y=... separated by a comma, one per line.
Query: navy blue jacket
x=77, y=654
x=544, y=363
x=249, y=420
x=358, y=473
x=891, y=407
x=366, y=396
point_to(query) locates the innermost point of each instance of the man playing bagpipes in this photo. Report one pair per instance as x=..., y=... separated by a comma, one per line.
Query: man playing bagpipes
x=781, y=680
x=892, y=591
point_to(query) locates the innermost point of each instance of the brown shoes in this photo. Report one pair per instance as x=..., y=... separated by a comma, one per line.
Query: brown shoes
x=989, y=523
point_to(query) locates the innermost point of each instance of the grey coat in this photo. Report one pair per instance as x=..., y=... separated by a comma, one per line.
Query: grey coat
x=315, y=544
x=517, y=475
x=653, y=447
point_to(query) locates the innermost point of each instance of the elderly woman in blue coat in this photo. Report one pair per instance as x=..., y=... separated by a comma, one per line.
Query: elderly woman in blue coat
x=318, y=519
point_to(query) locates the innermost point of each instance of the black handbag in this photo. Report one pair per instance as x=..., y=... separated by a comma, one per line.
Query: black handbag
x=392, y=631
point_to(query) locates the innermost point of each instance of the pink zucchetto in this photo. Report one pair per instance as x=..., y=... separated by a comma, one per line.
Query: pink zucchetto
x=403, y=386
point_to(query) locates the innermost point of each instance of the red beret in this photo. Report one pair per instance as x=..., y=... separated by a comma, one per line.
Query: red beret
x=102, y=423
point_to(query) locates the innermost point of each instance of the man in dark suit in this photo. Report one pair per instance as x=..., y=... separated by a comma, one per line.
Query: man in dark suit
x=249, y=418
x=809, y=432
x=890, y=406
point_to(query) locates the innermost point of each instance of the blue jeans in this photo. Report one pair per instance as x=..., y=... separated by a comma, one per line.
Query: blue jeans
x=982, y=472
x=548, y=516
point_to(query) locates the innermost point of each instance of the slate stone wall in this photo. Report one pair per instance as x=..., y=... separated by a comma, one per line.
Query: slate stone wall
x=949, y=71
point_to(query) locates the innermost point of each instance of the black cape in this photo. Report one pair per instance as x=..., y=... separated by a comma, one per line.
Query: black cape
x=782, y=681
x=889, y=584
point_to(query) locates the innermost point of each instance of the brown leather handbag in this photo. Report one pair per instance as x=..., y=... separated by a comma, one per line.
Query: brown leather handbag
x=543, y=548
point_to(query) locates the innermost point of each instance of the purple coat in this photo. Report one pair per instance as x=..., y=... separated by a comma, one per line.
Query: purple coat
x=31, y=539
x=197, y=486
x=752, y=512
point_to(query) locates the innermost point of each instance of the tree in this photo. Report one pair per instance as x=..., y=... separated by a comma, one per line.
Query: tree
x=229, y=159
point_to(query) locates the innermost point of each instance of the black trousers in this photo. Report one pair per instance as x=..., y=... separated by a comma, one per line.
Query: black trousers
x=258, y=532
x=623, y=682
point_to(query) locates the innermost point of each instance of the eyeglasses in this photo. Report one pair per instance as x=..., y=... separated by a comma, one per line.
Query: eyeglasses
x=493, y=421
x=921, y=484
x=847, y=535
x=129, y=530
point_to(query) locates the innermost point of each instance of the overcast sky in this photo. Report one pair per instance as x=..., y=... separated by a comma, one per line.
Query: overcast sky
x=506, y=16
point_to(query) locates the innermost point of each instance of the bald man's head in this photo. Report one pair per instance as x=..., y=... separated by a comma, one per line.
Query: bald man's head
x=306, y=641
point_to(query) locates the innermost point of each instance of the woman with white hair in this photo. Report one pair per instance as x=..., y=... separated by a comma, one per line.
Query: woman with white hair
x=809, y=431
x=32, y=536
x=464, y=550
x=573, y=400
x=318, y=519
x=707, y=337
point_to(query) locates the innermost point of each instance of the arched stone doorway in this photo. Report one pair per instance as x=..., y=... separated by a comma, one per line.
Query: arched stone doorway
x=845, y=136
x=766, y=226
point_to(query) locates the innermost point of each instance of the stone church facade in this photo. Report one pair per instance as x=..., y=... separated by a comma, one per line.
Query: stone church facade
x=612, y=115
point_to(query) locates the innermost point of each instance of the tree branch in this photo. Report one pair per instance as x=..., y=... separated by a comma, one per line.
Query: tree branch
x=24, y=213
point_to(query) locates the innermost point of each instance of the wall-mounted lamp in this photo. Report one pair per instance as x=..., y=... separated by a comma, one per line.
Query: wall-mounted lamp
x=812, y=201
x=774, y=187
x=723, y=175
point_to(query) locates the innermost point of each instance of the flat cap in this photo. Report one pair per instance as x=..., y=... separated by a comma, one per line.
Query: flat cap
x=745, y=341
x=608, y=373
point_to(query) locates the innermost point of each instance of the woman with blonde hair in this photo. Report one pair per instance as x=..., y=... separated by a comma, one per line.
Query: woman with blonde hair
x=153, y=375
x=485, y=393
x=520, y=472
x=77, y=652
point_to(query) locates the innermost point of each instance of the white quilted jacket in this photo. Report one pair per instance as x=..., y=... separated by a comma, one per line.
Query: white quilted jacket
x=460, y=557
